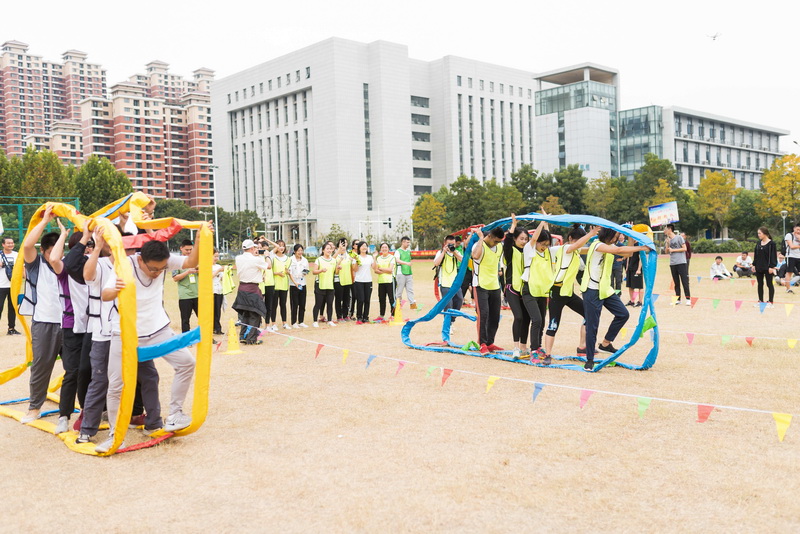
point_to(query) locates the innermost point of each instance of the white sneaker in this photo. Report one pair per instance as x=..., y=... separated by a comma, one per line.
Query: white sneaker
x=770, y=305
x=30, y=418
x=688, y=302
x=315, y=324
x=515, y=353
x=106, y=445
x=757, y=305
x=177, y=421
x=63, y=425
x=286, y=326
x=303, y=325
x=296, y=326
x=331, y=323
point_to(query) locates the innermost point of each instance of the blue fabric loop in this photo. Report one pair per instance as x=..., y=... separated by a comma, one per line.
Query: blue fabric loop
x=174, y=343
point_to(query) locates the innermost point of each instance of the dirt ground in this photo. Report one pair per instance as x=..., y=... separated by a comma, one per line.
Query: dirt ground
x=298, y=444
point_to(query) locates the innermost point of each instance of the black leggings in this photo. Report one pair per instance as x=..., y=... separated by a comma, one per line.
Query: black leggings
x=269, y=302
x=342, y=300
x=363, y=291
x=279, y=299
x=760, y=276
x=297, y=302
x=537, y=307
x=351, y=311
x=680, y=274
x=519, y=328
x=556, y=306
x=218, y=312
x=323, y=299
x=487, y=304
x=386, y=289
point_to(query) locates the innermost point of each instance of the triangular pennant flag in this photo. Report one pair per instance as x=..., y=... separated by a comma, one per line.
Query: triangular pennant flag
x=690, y=337
x=655, y=297
x=726, y=340
x=623, y=332
x=737, y=304
x=643, y=404
x=715, y=303
x=490, y=382
x=319, y=348
x=715, y=280
x=288, y=340
x=730, y=280
x=345, y=353
x=430, y=370
x=672, y=285
x=791, y=343
x=703, y=411
x=649, y=322
x=537, y=388
x=675, y=299
x=752, y=283
x=369, y=360
x=782, y=421
x=749, y=340
x=446, y=374
x=788, y=308
x=694, y=301
x=762, y=306
x=585, y=394
x=400, y=365
x=699, y=278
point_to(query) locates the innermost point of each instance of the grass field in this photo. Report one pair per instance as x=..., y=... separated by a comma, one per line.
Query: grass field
x=298, y=444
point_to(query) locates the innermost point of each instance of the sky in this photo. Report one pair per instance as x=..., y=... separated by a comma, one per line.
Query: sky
x=663, y=50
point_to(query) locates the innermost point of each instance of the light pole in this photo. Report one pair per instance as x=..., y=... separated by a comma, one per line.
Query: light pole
x=216, y=215
x=784, y=213
x=410, y=217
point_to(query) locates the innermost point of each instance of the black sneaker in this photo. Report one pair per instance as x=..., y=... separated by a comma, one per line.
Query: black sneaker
x=607, y=348
x=589, y=366
x=547, y=360
x=13, y=332
x=637, y=305
x=580, y=351
x=631, y=304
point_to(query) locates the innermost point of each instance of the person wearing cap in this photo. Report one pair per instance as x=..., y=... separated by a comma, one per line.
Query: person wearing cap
x=249, y=303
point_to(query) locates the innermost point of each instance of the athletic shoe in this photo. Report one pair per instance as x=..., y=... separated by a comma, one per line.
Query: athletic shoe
x=637, y=305
x=494, y=348
x=757, y=305
x=359, y=322
x=286, y=326
x=136, y=421
x=106, y=445
x=588, y=366
x=150, y=431
x=547, y=360
x=274, y=328
x=516, y=354
x=331, y=323
x=630, y=303
x=413, y=305
x=790, y=291
x=607, y=348
x=30, y=418
x=315, y=324
x=78, y=422
x=63, y=425
x=217, y=332
x=303, y=325
x=177, y=421
x=378, y=320
x=484, y=349
x=580, y=351
x=13, y=332
x=84, y=438
x=688, y=302
x=677, y=302
x=525, y=354
x=770, y=305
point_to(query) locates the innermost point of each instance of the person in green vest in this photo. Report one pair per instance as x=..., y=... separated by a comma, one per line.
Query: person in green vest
x=486, y=255
x=537, y=278
x=566, y=268
x=343, y=281
x=513, y=245
x=324, y=268
x=404, y=278
x=385, y=266
x=187, y=288
x=448, y=261
x=280, y=264
x=598, y=293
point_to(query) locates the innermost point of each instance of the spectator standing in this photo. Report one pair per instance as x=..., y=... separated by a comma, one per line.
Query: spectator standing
x=792, y=255
x=688, y=249
x=676, y=248
x=8, y=256
x=765, y=260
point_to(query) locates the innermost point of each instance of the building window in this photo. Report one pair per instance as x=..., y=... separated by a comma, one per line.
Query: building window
x=469, y=83
x=308, y=72
x=421, y=172
x=491, y=87
x=261, y=88
x=420, y=102
x=297, y=76
x=367, y=147
x=480, y=85
x=458, y=81
x=423, y=120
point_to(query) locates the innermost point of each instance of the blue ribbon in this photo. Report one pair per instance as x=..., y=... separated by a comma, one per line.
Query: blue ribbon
x=169, y=346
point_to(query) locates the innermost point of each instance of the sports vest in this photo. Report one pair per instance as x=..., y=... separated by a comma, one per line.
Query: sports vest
x=517, y=266
x=45, y=284
x=448, y=270
x=605, y=276
x=568, y=283
x=227, y=280
x=325, y=280
x=279, y=266
x=345, y=272
x=540, y=275
x=405, y=255
x=487, y=267
x=385, y=263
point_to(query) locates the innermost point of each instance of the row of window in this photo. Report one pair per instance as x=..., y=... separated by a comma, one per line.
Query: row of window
x=268, y=115
x=278, y=83
x=704, y=129
x=501, y=87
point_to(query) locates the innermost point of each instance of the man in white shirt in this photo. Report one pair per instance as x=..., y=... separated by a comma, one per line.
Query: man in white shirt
x=792, y=255
x=152, y=325
x=744, y=265
x=249, y=303
x=8, y=257
x=718, y=270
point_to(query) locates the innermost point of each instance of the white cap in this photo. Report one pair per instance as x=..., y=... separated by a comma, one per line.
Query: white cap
x=247, y=244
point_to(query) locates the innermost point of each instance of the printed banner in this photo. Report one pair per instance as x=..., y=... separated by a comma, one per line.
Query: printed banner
x=662, y=214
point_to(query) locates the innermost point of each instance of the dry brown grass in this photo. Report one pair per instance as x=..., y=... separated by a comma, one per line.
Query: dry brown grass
x=294, y=443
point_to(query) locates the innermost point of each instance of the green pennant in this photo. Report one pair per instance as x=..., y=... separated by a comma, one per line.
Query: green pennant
x=430, y=370
x=649, y=323
x=726, y=340
x=715, y=303
x=288, y=340
x=644, y=404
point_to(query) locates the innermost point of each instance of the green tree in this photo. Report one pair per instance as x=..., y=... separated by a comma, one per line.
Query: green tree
x=744, y=218
x=429, y=218
x=662, y=193
x=180, y=210
x=44, y=176
x=715, y=196
x=690, y=221
x=465, y=205
x=552, y=205
x=234, y=226
x=569, y=185
x=334, y=234
x=601, y=195
x=98, y=183
x=500, y=201
x=534, y=190
x=781, y=187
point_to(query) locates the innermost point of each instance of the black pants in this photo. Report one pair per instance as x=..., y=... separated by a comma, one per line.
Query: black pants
x=323, y=300
x=279, y=299
x=593, y=305
x=71, y=346
x=680, y=273
x=351, y=311
x=466, y=286
x=488, y=306
x=386, y=291
x=760, y=276
x=252, y=319
x=269, y=302
x=217, y=313
x=297, y=303
x=5, y=295
x=363, y=291
x=537, y=307
x=458, y=299
x=342, y=300
x=187, y=306
x=556, y=306
x=519, y=328
x=616, y=278
x=84, y=368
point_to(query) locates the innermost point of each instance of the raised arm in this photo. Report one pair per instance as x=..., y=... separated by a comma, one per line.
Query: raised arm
x=477, y=251
x=29, y=244
x=585, y=239
x=90, y=267
x=57, y=252
x=193, y=259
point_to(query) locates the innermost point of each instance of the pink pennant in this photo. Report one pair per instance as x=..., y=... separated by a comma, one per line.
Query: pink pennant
x=400, y=365
x=690, y=337
x=703, y=411
x=749, y=340
x=672, y=286
x=694, y=301
x=446, y=374
x=716, y=280
x=737, y=304
x=752, y=282
x=585, y=394
x=319, y=348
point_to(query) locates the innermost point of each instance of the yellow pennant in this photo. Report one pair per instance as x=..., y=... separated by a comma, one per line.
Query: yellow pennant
x=791, y=343
x=490, y=382
x=674, y=299
x=782, y=421
x=623, y=332
x=345, y=352
x=788, y=308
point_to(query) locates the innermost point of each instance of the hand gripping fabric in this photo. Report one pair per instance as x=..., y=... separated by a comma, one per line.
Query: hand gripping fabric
x=647, y=310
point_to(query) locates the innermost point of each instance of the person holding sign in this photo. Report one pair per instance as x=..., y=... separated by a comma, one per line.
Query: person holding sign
x=676, y=248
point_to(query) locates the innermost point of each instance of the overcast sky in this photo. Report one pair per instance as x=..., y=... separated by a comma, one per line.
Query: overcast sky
x=662, y=49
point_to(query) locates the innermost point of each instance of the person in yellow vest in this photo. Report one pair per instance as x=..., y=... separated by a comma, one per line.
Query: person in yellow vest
x=385, y=265
x=448, y=261
x=513, y=246
x=567, y=266
x=537, y=277
x=486, y=255
x=598, y=293
x=342, y=282
x=280, y=264
x=324, y=268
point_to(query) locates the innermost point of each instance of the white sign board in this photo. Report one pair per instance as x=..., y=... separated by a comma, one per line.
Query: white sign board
x=662, y=214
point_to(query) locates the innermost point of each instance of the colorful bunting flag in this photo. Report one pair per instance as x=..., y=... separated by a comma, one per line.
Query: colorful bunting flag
x=369, y=360
x=319, y=348
x=788, y=308
x=694, y=300
x=675, y=299
x=690, y=337
x=737, y=304
x=585, y=394
x=537, y=388
x=643, y=405
x=345, y=353
x=715, y=303
x=655, y=297
x=791, y=343
x=288, y=340
x=445, y=375
x=672, y=285
x=430, y=370
x=726, y=340
x=490, y=382
x=703, y=411
x=762, y=306
x=715, y=280
x=649, y=322
x=699, y=278
x=749, y=340
x=400, y=365
x=623, y=332
x=752, y=283
x=782, y=421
